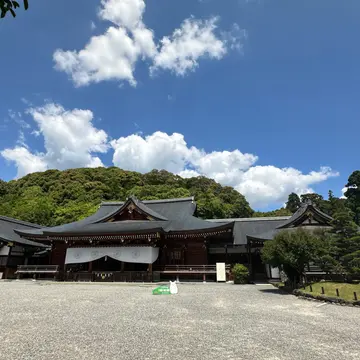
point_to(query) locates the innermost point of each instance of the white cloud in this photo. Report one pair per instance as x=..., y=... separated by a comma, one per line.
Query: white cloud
x=21, y=141
x=193, y=40
x=262, y=185
x=25, y=161
x=343, y=191
x=156, y=151
x=234, y=38
x=114, y=54
x=70, y=139
x=17, y=118
x=92, y=26
x=127, y=13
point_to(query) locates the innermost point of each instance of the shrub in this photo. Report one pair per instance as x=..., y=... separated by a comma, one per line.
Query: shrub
x=240, y=273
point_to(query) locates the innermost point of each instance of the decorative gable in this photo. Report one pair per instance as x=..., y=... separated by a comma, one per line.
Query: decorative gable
x=307, y=215
x=133, y=209
x=129, y=213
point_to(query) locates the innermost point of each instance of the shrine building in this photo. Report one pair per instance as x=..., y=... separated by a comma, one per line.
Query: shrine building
x=149, y=240
x=136, y=241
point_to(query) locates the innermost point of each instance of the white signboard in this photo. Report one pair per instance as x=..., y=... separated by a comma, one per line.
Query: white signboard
x=4, y=250
x=142, y=255
x=220, y=272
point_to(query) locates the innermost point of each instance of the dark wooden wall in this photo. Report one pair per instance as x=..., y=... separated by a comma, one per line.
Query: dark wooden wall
x=58, y=254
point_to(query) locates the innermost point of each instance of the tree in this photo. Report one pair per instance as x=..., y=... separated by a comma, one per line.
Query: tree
x=314, y=198
x=34, y=206
x=333, y=204
x=10, y=6
x=3, y=187
x=70, y=195
x=352, y=263
x=293, y=202
x=346, y=240
x=353, y=194
x=342, y=224
x=277, y=212
x=292, y=250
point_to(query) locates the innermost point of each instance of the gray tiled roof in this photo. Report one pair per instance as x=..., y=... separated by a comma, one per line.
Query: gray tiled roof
x=244, y=227
x=173, y=215
x=292, y=222
x=301, y=211
x=7, y=234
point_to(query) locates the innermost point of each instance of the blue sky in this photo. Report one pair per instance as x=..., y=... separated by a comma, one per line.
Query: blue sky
x=261, y=95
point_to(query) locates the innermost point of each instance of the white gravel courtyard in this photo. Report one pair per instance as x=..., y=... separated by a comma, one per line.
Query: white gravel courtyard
x=40, y=320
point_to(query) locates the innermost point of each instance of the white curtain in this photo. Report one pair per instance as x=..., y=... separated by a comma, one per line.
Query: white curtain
x=143, y=255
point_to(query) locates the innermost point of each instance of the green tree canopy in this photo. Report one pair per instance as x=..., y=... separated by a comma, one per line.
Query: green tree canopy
x=292, y=250
x=353, y=194
x=293, y=202
x=56, y=197
x=10, y=6
x=277, y=212
x=315, y=199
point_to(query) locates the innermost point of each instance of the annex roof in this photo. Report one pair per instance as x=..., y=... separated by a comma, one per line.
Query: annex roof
x=244, y=227
x=7, y=234
x=307, y=215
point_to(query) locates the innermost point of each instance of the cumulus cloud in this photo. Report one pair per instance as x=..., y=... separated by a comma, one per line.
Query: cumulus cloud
x=25, y=161
x=114, y=54
x=181, y=52
x=70, y=140
x=262, y=185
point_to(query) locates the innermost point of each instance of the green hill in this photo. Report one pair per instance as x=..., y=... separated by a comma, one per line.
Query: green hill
x=56, y=197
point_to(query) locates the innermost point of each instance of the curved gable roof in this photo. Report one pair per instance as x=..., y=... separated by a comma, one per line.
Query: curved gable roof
x=170, y=216
x=7, y=231
x=302, y=213
x=138, y=204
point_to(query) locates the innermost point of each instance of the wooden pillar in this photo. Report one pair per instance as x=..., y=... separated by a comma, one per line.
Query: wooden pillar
x=250, y=260
x=122, y=266
x=226, y=254
x=65, y=274
x=150, y=272
x=90, y=266
x=6, y=272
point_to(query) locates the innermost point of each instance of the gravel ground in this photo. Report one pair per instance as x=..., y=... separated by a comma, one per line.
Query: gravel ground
x=204, y=321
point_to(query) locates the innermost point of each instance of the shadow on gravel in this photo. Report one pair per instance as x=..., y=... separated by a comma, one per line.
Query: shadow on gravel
x=274, y=291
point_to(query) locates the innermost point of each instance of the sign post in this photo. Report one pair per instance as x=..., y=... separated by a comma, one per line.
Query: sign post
x=220, y=272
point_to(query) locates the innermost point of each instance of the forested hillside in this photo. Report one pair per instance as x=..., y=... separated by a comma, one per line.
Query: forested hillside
x=56, y=197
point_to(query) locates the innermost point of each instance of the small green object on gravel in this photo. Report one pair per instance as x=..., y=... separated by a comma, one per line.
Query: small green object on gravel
x=161, y=290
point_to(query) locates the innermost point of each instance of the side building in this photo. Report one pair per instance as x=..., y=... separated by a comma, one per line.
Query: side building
x=251, y=233
x=15, y=250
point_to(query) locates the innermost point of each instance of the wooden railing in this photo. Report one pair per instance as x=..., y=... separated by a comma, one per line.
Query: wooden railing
x=189, y=269
x=110, y=276
x=37, y=270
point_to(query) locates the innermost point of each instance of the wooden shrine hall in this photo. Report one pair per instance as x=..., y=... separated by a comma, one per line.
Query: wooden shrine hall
x=136, y=241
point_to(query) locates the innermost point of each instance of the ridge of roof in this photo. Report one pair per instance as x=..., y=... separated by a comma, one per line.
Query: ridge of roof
x=19, y=222
x=269, y=218
x=159, y=201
